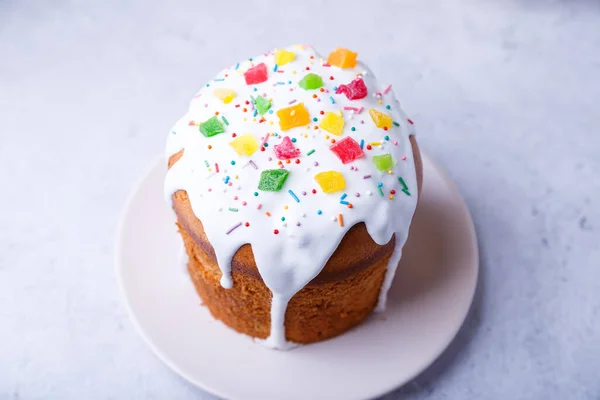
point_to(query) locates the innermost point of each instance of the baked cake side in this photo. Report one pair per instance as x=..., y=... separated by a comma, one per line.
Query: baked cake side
x=294, y=179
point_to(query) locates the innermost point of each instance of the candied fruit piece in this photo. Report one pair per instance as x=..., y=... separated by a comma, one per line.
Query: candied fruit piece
x=283, y=57
x=311, y=81
x=262, y=105
x=291, y=117
x=245, y=145
x=354, y=90
x=211, y=127
x=384, y=162
x=347, y=150
x=331, y=181
x=286, y=149
x=333, y=123
x=342, y=58
x=256, y=74
x=226, y=95
x=272, y=180
x=381, y=120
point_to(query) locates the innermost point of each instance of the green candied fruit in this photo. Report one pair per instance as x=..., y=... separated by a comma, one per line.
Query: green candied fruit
x=262, y=105
x=211, y=127
x=272, y=180
x=311, y=81
x=384, y=162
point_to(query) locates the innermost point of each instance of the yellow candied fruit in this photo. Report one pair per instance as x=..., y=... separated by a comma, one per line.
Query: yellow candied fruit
x=332, y=123
x=342, y=58
x=331, y=181
x=226, y=95
x=291, y=117
x=381, y=120
x=283, y=57
x=245, y=145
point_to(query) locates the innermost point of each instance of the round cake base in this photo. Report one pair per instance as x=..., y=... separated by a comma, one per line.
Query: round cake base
x=318, y=312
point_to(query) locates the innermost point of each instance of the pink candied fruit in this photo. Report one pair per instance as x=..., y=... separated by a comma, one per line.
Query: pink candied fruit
x=347, y=150
x=354, y=90
x=286, y=149
x=256, y=74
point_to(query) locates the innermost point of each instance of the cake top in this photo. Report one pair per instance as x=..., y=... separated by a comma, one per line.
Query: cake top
x=286, y=151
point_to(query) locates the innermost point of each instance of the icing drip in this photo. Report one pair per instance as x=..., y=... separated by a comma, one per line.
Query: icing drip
x=183, y=258
x=389, y=276
x=294, y=223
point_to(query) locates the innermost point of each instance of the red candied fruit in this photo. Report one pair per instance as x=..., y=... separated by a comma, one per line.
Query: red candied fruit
x=347, y=150
x=256, y=74
x=354, y=90
x=286, y=149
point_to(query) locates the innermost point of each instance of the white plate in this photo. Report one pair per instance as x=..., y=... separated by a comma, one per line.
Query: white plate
x=428, y=302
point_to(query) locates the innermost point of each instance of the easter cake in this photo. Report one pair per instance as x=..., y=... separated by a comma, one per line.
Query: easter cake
x=294, y=179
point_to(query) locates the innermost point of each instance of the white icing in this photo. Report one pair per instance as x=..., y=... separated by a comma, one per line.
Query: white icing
x=183, y=258
x=289, y=260
x=389, y=276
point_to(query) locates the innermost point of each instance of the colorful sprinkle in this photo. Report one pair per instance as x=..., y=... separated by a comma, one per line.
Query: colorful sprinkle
x=234, y=228
x=294, y=196
x=233, y=209
x=404, y=187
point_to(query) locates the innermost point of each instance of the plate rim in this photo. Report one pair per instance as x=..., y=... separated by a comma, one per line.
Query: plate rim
x=381, y=390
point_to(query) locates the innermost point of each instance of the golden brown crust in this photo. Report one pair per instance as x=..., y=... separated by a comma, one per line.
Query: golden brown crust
x=340, y=297
x=315, y=313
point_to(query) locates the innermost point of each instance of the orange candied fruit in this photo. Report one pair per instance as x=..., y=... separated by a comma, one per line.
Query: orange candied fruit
x=343, y=58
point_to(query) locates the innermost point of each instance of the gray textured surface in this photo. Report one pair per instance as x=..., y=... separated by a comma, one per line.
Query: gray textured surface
x=505, y=95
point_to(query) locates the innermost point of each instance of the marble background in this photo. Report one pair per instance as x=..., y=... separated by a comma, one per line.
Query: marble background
x=505, y=95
